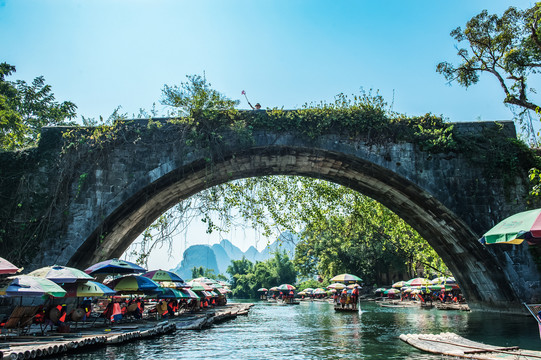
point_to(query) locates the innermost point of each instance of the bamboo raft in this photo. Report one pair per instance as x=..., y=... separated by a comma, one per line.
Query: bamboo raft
x=30, y=347
x=450, y=344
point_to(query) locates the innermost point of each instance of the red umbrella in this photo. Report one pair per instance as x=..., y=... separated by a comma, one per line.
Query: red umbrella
x=6, y=267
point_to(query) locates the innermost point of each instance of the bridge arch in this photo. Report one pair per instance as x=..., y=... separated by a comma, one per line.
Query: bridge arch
x=446, y=199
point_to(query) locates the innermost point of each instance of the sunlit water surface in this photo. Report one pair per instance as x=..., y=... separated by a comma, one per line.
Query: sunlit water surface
x=315, y=331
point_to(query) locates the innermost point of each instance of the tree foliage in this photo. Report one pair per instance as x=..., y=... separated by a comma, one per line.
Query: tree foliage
x=341, y=230
x=507, y=47
x=26, y=108
x=247, y=277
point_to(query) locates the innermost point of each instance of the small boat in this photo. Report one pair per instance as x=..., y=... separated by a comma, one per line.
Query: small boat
x=450, y=344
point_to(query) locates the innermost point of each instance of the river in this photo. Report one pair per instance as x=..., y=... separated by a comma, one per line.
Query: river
x=312, y=330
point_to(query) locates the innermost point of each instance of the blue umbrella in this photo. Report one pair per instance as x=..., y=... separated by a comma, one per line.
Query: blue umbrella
x=133, y=283
x=114, y=266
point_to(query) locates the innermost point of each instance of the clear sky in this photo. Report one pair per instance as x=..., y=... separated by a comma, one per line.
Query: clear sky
x=284, y=53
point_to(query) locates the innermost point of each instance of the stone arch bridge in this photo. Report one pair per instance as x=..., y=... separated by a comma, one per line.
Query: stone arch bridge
x=115, y=192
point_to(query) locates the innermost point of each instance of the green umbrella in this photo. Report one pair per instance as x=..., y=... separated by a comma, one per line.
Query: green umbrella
x=515, y=229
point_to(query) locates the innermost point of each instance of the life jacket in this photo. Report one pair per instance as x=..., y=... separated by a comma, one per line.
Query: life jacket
x=62, y=310
x=117, y=312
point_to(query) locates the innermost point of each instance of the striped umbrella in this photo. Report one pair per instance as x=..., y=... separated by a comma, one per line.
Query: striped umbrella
x=198, y=286
x=262, y=289
x=418, y=282
x=399, y=284
x=337, y=286
x=346, y=278
x=286, y=287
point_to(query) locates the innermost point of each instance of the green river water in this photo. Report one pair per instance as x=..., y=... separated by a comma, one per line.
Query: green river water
x=312, y=330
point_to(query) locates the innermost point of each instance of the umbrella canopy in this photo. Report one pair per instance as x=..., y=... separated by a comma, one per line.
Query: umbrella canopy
x=337, y=286
x=274, y=288
x=515, y=229
x=320, y=291
x=309, y=290
x=166, y=279
x=399, y=284
x=169, y=293
x=380, y=290
x=114, y=266
x=443, y=280
x=25, y=285
x=89, y=289
x=441, y=287
x=198, y=286
x=133, y=284
x=61, y=274
x=418, y=282
x=286, y=287
x=346, y=278
x=6, y=267
x=162, y=275
x=352, y=286
x=303, y=293
x=391, y=291
x=262, y=289
x=190, y=293
x=204, y=280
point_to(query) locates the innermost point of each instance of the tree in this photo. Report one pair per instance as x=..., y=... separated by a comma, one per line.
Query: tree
x=26, y=109
x=506, y=47
x=12, y=129
x=194, y=97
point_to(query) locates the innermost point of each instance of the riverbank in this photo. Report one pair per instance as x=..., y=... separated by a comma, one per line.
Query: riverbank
x=90, y=336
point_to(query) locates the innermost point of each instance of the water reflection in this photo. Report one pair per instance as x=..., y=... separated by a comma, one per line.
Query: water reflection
x=315, y=331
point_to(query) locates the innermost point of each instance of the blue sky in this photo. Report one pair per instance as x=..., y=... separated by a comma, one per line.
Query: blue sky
x=104, y=53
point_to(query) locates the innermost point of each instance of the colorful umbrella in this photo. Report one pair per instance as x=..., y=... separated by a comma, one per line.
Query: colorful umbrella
x=309, y=290
x=89, y=289
x=6, y=267
x=274, y=288
x=166, y=279
x=337, y=286
x=515, y=229
x=345, y=278
x=418, y=282
x=204, y=280
x=25, y=285
x=198, y=286
x=61, y=274
x=262, y=289
x=168, y=293
x=352, y=286
x=440, y=287
x=133, y=284
x=190, y=293
x=391, y=291
x=320, y=291
x=443, y=280
x=162, y=275
x=398, y=285
x=286, y=287
x=380, y=290
x=114, y=266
